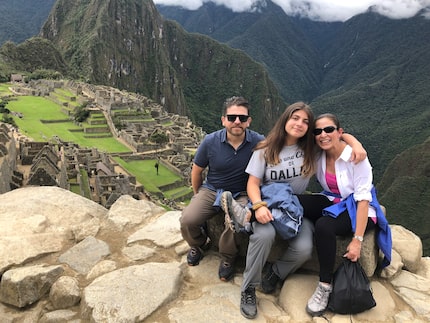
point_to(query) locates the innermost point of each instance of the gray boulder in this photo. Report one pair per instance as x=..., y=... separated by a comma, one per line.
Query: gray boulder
x=75, y=261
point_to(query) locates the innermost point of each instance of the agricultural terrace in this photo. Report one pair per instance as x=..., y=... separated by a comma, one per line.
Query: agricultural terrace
x=41, y=119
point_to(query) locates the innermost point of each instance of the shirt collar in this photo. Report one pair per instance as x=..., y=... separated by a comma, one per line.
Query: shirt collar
x=346, y=153
x=224, y=135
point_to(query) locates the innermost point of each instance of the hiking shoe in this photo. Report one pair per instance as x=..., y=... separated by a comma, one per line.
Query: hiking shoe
x=225, y=271
x=319, y=300
x=236, y=215
x=269, y=281
x=194, y=256
x=248, y=303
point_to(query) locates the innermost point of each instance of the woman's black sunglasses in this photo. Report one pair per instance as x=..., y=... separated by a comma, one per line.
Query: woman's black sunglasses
x=232, y=117
x=329, y=129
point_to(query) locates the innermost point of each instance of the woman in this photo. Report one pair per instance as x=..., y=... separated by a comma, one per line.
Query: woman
x=354, y=210
x=285, y=156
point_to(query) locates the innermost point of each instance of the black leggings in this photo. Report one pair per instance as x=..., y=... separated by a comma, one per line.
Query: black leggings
x=326, y=230
x=313, y=204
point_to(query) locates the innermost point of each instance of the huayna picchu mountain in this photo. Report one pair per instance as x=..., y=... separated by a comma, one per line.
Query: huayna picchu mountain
x=126, y=44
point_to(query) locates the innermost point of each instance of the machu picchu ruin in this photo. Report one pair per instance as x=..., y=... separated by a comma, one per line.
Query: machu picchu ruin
x=137, y=122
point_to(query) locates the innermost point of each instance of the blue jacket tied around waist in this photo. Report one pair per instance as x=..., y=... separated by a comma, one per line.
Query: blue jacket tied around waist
x=383, y=233
x=285, y=207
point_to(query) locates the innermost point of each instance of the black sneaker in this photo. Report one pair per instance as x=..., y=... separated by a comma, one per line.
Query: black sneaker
x=269, y=281
x=194, y=256
x=248, y=303
x=225, y=271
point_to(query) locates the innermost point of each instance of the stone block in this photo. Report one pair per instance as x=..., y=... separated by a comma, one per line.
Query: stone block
x=369, y=251
x=368, y=259
x=215, y=227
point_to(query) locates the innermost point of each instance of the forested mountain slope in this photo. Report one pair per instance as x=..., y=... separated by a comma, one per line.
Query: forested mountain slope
x=371, y=70
x=22, y=19
x=129, y=46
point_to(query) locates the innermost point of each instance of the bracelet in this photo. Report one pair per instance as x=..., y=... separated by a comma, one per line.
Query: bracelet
x=258, y=204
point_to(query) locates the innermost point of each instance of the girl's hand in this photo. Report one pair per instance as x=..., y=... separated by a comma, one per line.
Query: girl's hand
x=353, y=250
x=358, y=154
x=263, y=215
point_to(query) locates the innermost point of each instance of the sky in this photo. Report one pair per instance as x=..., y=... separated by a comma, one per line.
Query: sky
x=322, y=10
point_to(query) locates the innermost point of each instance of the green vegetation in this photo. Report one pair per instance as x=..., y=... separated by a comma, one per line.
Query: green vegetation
x=81, y=114
x=43, y=120
x=86, y=188
x=178, y=192
x=406, y=184
x=66, y=96
x=22, y=18
x=4, y=89
x=146, y=174
x=159, y=138
x=36, y=58
x=35, y=110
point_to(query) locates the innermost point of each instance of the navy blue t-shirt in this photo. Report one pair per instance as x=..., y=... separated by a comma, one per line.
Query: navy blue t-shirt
x=226, y=166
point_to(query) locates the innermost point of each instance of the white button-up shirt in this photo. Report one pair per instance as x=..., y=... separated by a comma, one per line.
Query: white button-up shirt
x=351, y=178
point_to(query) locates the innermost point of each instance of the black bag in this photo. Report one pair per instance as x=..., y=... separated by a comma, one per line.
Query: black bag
x=351, y=292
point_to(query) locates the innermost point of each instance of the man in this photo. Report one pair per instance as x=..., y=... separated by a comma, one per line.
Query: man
x=225, y=153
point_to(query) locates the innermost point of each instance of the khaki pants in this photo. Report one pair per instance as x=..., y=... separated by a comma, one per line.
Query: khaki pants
x=194, y=217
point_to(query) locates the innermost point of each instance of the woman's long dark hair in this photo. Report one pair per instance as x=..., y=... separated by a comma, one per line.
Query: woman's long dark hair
x=275, y=140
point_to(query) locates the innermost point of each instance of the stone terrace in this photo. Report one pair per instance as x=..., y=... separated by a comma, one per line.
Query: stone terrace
x=130, y=117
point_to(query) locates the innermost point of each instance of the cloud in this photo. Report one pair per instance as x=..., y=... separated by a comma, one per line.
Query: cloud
x=324, y=10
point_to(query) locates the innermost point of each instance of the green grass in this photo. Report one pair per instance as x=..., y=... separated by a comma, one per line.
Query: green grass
x=35, y=109
x=146, y=173
x=180, y=191
x=4, y=89
x=65, y=96
x=75, y=188
x=64, y=92
x=86, y=188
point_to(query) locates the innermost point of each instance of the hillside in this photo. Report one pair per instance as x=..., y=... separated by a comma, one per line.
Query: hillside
x=367, y=69
x=287, y=54
x=22, y=19
x=378, y=81
x=35, y=57
x=406, y=189
x=129, y=46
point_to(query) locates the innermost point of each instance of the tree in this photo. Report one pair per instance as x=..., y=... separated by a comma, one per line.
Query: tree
x=159, y=138
x=81, y=114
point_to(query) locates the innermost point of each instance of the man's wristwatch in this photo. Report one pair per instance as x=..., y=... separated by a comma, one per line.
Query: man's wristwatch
x=359, y=238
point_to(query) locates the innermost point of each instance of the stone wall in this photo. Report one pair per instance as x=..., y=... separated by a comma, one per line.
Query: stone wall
x=8, y=158
x=175, y=155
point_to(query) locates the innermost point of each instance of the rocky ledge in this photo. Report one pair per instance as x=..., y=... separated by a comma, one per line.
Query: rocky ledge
x=64, y=258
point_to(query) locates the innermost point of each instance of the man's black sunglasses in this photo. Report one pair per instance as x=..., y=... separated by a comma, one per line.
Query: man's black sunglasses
x=329, y=129
x=232, y=117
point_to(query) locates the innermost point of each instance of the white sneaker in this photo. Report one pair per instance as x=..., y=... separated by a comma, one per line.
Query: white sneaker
x=319, y=300
x=236, y=215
